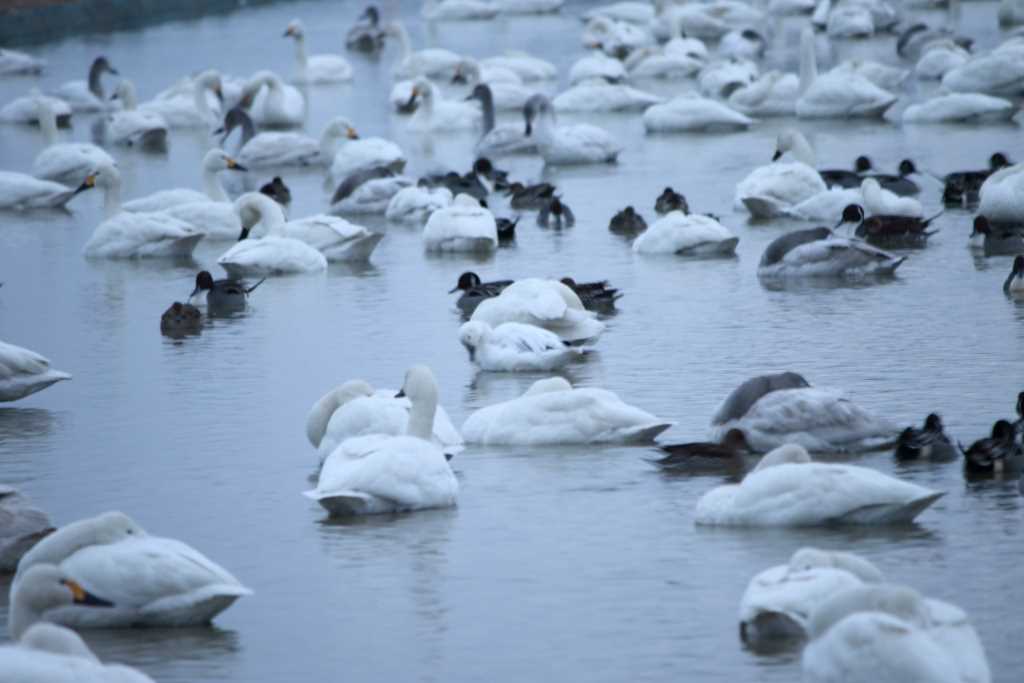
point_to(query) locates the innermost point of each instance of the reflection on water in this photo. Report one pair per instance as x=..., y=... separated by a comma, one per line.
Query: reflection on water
x=581, y=563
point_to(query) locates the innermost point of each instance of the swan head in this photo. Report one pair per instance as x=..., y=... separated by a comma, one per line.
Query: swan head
x=252, y=207
x=103, y=176
x=125, y=91
x=295, y=30
x=981, y=226
x=466, y=71
x=549, y=385
x=102, y=65
x=219, y=160
x=58, y=640
x=471, y=334
x=419, y=386
x=899, y=601
x=466, y=282
x=422, y=89
x=1018, y=271
x=210, y=80
x=339, y=128
x=482, y=93
x=789, y=453
x=41, y=588
x=371, y=14
x=789, y=140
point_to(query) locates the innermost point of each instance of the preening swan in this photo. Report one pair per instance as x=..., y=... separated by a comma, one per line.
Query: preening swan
x=429, y=62
x=545, y=303
x=132, y=126
x=515, y=347
x=464, y=226
x=383, y=473
x=837, y=94
x=689, y=112
x=686, y=235
x=189, y=109
x=88, y=95
x=272, y=103
x=274, y=254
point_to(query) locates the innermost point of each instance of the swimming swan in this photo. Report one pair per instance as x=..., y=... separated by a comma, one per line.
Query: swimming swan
x=837, y=94
x=318, y=68
x=144, y=580
x=544, y=303
x=382, y=473
x=686, y=235
x=21, y=523
x=132, y=126
x=464, y=226
x=515, y=347
x=24, y=372
x=274, y=254
x=788, y=489
x=690, y=111
x=567, y=145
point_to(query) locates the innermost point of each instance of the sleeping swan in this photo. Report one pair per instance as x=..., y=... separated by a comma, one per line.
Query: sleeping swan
x=788, y=489
x=553, y=412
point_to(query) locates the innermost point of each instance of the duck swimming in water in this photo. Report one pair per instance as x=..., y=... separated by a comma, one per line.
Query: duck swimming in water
x=627, y=222
x=226, y=294
x=670, y=200
x=928, y=443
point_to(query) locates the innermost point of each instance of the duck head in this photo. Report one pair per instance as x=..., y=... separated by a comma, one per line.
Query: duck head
x=204, y=282
x=981, y=226
x=862, y=164
x=907, y=167
x=853, y=213
x=998, y=161
x=933, y=423
x=466, y=282
x=1003, y=431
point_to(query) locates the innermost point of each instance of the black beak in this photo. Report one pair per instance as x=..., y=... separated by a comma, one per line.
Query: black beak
x=244, y=234
x=220, y=96
x=529, y=128
x=453, y=289
x=448, y=457
x=412, y=101
x=112, y=70
x=775, y=157
x=400, y=394
x=83, y=187
x=458, y=77
x=84, y=597
x=239, y=167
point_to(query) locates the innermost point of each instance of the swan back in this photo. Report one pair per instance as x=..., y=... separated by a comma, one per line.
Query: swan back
x=901, y=602
x=810, y=558
x=109, y=527
x=789, y=453
x=320, y=414
x=549, y=385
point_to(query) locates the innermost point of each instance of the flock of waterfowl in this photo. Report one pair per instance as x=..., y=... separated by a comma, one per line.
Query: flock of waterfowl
x=385, y=452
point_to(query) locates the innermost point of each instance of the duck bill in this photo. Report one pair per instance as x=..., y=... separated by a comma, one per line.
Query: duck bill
x=400, y=394
x=777, y=155
x=453, y=289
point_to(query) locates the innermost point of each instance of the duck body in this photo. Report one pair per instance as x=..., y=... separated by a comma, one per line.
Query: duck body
x=816, y=419
x=928, y=443
x=895, y=232
x=515, y=347
x=817, y=252
x=553, y=412
x=686, y=235
x=796, y=492
x=627, y=222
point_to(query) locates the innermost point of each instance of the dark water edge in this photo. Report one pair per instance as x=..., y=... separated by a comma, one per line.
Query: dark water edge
x=28, y=22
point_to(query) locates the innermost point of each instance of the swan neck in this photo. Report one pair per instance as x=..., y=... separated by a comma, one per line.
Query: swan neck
x=211, y=184
x=320, y=417
x=22, y=616
x=301, y=59
x=95, y=86
x=202, y=106
x=112, y=198
x=487, y=106
x=403, y=41
x=808, y=62
x=803, y=151
x=271, y=217
x=48, y=124
x=328, y=145
x=128, y=100
x=421, y=418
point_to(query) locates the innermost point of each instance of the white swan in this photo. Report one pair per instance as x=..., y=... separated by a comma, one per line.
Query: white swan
x=430, y=62
x=772, y=410
x=689, y=112
x=14, y=63
x=553, y=412
x=1002, y=195
x=278, y=148
x=640, y=13
x=318, y=68
x=22, y=524
x=779, y=601
x=24, y=372
x=886, y=77
x=882, y=202
x=414, y=205
x=368, y=192
x=773, y=94
x=88, y=95
x=567, y=145
x=787, y=489
x=436, y=113
x=458, y=10
x=334, y=237
x=719, y=78
x=960, y=108
x=678, y=58
x=274, y=254
x=835, y=94
x=1000, y=72
x=132, y=126
x=47, y=653
x=885, y=632
x=528, y=67
x=499, y=140
x=25, y=109
x=22, y=192
x=214, y=161
x=273, y=103
x=712, y=20
x=515, y=347
x=769, y=191
x=939, y=57
x=686, y=235
x=615, y=38
x=825, y=206
x=529, y=6
x=544, y=303
x=355, y=409
x=126, y=234
x=850, y=20
x=189, y=109
x=597, y=64
x=464, y=226
x=382, y=473
x=347, y=153
x=146, y=580
x=597, y=95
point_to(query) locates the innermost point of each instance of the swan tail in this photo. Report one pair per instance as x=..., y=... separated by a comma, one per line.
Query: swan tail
x=645, y=433
x=361, y=248
x=762, y=207
x=250, y=290
x=889, y=513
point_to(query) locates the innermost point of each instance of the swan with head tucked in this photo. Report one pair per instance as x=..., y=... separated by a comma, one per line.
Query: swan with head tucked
x=429, y=62
x=567, y=145
x=23, y=192
x=1002, y=195
x=132, y=126
x=383, y=473
x=458, y=10
x=368, y=191
x=772, y=94
x=436, y=113
x=884, y=632
x=142, y=234
x=189, y=109
x=24, y=372
x=677, y=59
x=47, y=653
x=788, y=489
x=143, y=580
x=598, y=65
x=598, y=95
x=545, y=303
x=689, y=112
x=503, y=139
x=778, y=601
x=355, y=409
x=783, y=408
x=552, y=411
x=528, y=67
x=25, y=109
x=272, y=103
x=414, y=205
x=686, y=235
x=881, y=202
x=836, y=94
x=515, y=347
x=88, y=95
x=464, y=226
x=21, y=523
x=1000, y=72
x=960, y=108
x=276, y=253
x=318, y=68
x=14, y=63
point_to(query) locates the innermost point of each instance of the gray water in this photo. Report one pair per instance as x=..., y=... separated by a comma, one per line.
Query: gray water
x=559, y=563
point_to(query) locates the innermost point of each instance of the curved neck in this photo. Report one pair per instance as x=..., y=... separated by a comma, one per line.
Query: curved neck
x=211, y=185
x=320, y=416
x=271, y=217
x=425, y=112
x=421, y=418
x=200, y=101
x=808, y=61
x=95, y=86
x=329, y=144
x=803, y=151
x=21, y=617
x=301, y=60
x=487, y=105
x=112, y=197
x=543, y=127
x=403, y=40
x=127, y=96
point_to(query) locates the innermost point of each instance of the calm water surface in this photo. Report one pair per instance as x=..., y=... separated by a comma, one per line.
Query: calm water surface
x=559, y=564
